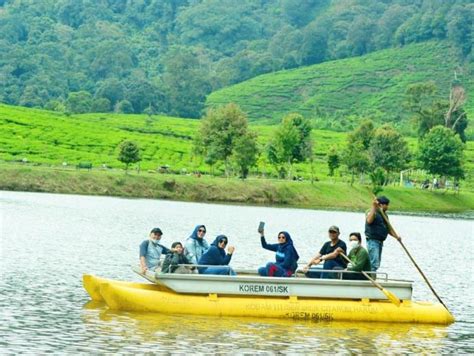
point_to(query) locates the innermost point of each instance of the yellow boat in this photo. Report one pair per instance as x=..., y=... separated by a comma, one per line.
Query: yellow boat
x=144, y=297
x=92, y=285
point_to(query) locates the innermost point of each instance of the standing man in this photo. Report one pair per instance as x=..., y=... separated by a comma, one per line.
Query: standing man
x=377, y=230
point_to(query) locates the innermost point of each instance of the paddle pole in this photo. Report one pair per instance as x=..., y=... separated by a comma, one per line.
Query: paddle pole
x=384, y=216
x=392, y=297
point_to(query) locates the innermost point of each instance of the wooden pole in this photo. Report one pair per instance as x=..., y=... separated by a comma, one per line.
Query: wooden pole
x=392, y=297
x=410, y=256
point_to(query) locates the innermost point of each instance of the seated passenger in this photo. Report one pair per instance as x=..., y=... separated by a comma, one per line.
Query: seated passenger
x=286, y=256
x=216, y=256
x=359, y=258
x=329, y=254
x=196, y=245
x=175, y=258
x=151, y=250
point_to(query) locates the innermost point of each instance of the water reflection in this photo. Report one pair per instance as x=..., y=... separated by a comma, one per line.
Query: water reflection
x=49, y=241
x=249, y=335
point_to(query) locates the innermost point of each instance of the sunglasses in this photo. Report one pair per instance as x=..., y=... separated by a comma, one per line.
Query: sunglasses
x=201, y=230
x=282, y=237
x=223, y=241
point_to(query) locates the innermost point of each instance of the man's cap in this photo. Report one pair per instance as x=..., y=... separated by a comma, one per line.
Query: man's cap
x=334, y=228
x=156, y=230
x=383, y=200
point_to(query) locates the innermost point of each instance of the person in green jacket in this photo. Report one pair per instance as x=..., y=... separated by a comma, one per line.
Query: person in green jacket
x=174, y=259
x=359, y=258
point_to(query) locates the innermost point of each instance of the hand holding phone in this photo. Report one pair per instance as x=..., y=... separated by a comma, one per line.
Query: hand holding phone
x=261, y=226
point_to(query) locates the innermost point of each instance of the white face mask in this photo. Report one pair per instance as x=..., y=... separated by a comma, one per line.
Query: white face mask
x=353, y=244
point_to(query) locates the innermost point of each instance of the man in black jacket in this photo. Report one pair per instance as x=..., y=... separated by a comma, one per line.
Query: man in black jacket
x=377, y=230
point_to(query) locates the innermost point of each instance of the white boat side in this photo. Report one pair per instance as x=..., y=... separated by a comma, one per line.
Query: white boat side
x=248, y=284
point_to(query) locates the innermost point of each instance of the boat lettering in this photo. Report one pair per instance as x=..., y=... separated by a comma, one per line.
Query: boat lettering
x=261, y=288
x=311, y=316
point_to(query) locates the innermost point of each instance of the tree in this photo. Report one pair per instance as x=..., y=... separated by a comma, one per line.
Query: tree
x=356, y=158
x=111, y=89
x=219, y=133
x=388, y=149
x=377, y=177
x=441, y=153
x=129, y=153
x=185, y=82
x=100, y=105
x=291, y=143
x=333, y=160
x=429, y=110
x=363, y=133
x=124, y=107
x=79, y=102
x=245, y=152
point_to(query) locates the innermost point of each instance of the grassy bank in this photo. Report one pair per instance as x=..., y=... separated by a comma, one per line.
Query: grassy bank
x=320, y=195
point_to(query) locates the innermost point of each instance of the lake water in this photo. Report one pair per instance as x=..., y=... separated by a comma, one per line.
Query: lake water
x=49, y=241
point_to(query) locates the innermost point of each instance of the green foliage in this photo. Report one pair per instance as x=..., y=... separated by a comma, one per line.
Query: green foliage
x=339, y=94
x=51, y=138
x=291, y=143
x=363, y=134
x=129, y=153
x=100, y=105
x=124, y=107
x=219, y=132
x=377, y=178
x=124, y=50
x=356, y=158
x=245, y=152
x=79, y=102
x=441, y=153
x=388, y=149
x=430, y=111
x=334, y=161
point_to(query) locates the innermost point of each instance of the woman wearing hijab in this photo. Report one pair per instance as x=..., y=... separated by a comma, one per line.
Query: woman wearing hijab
x=195, y=245
x=286, y=256
x=216, y=256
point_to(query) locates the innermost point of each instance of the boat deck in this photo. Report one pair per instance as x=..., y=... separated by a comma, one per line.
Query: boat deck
x=247, y=282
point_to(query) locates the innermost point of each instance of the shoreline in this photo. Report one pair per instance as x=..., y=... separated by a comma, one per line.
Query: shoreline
x=232, y=191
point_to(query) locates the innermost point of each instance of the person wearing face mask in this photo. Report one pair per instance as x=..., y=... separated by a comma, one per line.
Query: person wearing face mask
x=286, y=257
x=151, y=251
x=359, y=258
x=217, y=256
x=329, y=255
x=196, y=245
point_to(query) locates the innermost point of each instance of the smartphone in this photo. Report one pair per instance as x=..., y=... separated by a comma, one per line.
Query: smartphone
x=261, y=226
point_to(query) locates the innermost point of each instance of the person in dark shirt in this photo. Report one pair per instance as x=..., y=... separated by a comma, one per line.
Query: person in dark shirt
x=329, y=255
x=174, y=259
x=286, y=258
x=377, y=230
x=216, y=256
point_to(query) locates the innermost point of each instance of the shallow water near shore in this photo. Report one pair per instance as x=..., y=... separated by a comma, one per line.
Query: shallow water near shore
x=48, y=241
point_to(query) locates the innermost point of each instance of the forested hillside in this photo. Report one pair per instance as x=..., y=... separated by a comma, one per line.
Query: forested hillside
x=167, y=55
x=338, y=94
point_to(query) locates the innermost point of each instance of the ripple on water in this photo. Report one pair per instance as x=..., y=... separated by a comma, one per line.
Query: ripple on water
x=57, y=238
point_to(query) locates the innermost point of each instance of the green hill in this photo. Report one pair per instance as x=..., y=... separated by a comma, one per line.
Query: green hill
x=334, y=92
x=46, y=137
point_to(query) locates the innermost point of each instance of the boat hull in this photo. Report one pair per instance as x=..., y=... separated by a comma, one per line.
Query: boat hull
x=131, y=298
x=92, y=286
